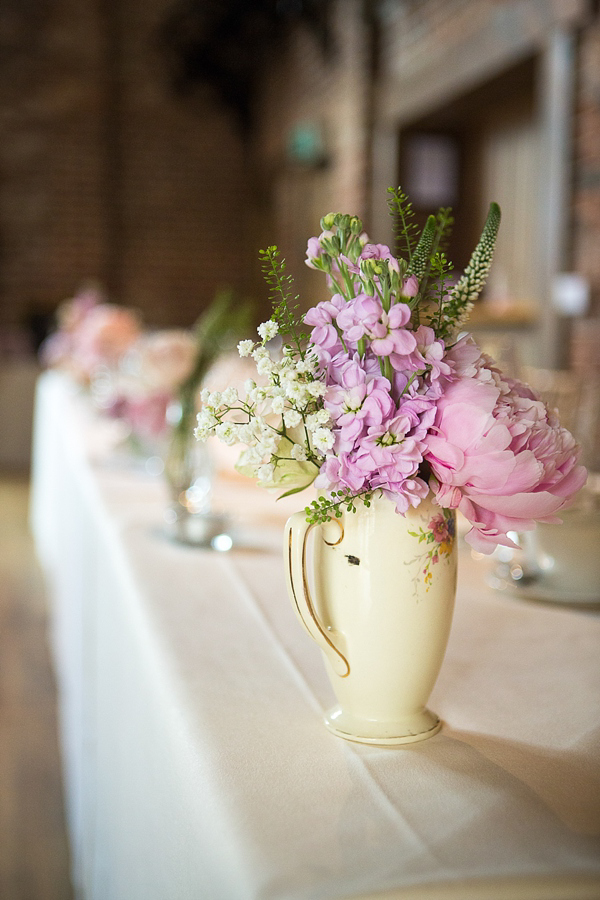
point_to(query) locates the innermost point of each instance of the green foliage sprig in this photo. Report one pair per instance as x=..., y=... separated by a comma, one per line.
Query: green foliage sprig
x=323, y=508
x=402, y=213
x=286, y=309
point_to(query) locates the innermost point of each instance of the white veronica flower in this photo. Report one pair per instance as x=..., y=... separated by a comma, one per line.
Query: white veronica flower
x=245, y=348
x=268, y=330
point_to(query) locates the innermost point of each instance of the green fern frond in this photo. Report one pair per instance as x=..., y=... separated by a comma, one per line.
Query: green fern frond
x=281, y=294
x=405, y=230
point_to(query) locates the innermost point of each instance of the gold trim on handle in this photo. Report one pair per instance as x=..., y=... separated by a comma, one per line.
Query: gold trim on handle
x=309, y=602
x=341, y=537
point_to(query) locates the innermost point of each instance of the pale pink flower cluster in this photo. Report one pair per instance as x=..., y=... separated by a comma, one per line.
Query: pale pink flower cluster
x=104, y=335
x=91, y=333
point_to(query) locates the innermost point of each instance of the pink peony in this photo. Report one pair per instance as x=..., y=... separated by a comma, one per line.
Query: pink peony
x=497, y=453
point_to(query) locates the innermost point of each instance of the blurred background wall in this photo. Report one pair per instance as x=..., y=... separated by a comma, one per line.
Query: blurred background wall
x=155, y=145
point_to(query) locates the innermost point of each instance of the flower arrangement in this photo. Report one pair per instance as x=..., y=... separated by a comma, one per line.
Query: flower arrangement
x=385, y=394
x=91, y=333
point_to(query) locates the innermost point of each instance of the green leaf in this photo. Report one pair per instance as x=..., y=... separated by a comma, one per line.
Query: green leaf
x=295, y=490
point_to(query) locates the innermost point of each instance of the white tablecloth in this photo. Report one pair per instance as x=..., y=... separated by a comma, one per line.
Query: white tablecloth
x=196, y=762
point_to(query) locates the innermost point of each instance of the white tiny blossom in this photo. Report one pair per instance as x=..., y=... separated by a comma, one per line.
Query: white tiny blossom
x=245, y=348
x=214, y=399
x=227, y=432
x=297, y=393
x=323, y=439
x=269, y=442
x=206, y=425
x=288, y=376
x=303, y=366
x=230, y=396
x=260, y=353
x=265, y=473
x=277, y=405
x=246, y=434
x=264, y=366
x=315, y=420
x=316, y=388
x=204, y=395
x=298, y=452
x=249, y=385
x=268, y=330
x=292, y=417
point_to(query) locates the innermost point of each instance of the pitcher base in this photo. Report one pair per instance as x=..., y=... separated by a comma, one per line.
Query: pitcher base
x=417, y=727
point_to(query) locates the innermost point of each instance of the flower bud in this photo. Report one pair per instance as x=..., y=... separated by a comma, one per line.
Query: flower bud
x=328, y=221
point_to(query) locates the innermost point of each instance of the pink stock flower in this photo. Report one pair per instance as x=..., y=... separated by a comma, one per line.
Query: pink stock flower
x=428, y=353
x=497, y=453
x=365, y=317
x=410, y=287
x=374, y=251
x=357, y=402
x=314, y=249
x=324, y=334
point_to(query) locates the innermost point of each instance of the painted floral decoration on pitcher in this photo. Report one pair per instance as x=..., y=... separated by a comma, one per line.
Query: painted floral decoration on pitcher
x=439, y=540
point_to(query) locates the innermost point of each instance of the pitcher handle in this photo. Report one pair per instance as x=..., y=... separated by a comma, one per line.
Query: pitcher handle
x=296, y=534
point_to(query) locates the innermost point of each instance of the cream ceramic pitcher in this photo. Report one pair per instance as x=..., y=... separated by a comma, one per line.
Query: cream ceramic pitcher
x=384, y=587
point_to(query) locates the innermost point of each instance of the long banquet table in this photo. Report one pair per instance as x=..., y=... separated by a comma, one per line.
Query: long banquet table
x=196, y=763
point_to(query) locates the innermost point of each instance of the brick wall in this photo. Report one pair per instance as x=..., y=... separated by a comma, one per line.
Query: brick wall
x=329, y=91
x=103, y=174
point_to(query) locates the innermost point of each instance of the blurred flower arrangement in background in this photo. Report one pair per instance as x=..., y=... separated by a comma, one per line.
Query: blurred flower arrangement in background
x=386, y=395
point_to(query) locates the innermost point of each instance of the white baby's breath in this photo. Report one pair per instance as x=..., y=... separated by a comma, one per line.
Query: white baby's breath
x=292, y=418
x=268, y=330
x=323, y=439
x=298, y=452
x=245, y=348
